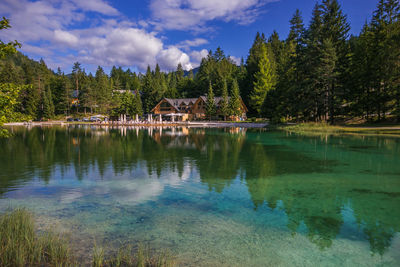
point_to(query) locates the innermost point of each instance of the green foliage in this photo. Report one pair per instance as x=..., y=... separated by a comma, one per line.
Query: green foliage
x=235, y=100
x=47, y=104
x=252, y=67
x=138, y=104
x=264, y=79
x=224, y=105
x=8, y=100
x=217, y=68
x=7, y=48
x=210, y=104
x=318, y=73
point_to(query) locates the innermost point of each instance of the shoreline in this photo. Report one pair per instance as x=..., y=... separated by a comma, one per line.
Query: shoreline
x=154, y=124
x=299, y=128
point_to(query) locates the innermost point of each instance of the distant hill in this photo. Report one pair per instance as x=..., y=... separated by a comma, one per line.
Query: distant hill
x=195, y=71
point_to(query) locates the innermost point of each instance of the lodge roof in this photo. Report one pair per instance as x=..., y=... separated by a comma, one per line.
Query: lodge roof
x=176, y=103
x=217, y=99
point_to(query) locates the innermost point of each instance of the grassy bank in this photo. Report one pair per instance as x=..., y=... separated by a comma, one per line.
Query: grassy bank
x=324, y=128
x=21, y=245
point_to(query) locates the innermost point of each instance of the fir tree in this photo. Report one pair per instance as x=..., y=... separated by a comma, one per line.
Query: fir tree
x=224, y=104
x=210, y=105
x=252, y=67
x=138, y=104
x=234, y=101
x=47, y=104
x=264, y=79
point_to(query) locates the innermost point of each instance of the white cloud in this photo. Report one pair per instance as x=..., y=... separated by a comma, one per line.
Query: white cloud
x=65, y=38
x=122, y=46
x=96, y=6
x=192, y=43
x=171, y=57
x=193, y=14
x=46, y=27
x=199, y=55
x=43, y=27
x=236, y=60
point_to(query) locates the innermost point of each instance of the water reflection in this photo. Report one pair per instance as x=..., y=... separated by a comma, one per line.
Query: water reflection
x=314, y=180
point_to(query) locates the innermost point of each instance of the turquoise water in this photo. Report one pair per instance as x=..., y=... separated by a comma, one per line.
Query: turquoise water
x=213, y=197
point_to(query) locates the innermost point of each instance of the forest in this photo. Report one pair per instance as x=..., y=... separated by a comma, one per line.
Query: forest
x=318, y=73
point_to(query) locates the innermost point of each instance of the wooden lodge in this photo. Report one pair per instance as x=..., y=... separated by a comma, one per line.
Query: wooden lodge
x=184, y=109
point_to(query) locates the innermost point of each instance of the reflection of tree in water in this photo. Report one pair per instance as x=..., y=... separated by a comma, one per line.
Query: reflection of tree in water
x=272, y=173
x=317, y=201
x=378, y=212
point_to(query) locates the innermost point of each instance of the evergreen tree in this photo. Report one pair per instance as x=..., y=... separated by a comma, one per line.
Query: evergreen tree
x=264, y=79
x=234, y=101
x=311, y=106
x=138, y=104
x=328, y=76
x=252, y=67
x=76, y=73
x=47, y=104
x=335, y=31
x=210, y=105
x=224, y=105
x=148, y=95
x=103, y=94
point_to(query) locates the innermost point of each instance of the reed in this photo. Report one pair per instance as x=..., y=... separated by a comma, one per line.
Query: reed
x=21, y=245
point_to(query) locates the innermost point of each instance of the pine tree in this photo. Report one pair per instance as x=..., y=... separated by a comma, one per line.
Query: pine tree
x=180, y=73
x=296, y=28
x=148, y=95
x=103, y=93
x=210, y=105
x=385, y=48
x=234, y=101
x=264, y=79
x=328, y=76
x=335, y=30
x=224, y=105
x=138, y=104
x=311, y=94
x=47, y=104
x=252, y=67
x=76, y=73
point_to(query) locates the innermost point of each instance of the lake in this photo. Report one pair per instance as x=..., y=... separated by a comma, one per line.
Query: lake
x=212, y=197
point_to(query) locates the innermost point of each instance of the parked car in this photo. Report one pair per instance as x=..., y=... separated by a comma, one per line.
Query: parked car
x=85, y=120
x=95, y=119
x=70, y=119
x=77, y=119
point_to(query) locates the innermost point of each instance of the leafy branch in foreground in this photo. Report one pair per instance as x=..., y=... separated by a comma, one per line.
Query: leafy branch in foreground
x=8, y=92
x=7, y=48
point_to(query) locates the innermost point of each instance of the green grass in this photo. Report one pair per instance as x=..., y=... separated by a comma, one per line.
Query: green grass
x=325, y=128
x=21, y=245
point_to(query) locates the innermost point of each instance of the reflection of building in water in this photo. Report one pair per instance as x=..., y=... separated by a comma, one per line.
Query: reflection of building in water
x=75, y=141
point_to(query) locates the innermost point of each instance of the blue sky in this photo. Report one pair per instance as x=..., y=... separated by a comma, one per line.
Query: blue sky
x=135, y=34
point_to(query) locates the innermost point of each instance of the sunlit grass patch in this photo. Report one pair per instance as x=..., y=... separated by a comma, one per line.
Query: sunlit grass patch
x=325, y=128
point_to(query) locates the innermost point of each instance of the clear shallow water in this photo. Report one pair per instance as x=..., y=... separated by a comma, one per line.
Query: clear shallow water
x=225, y=197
